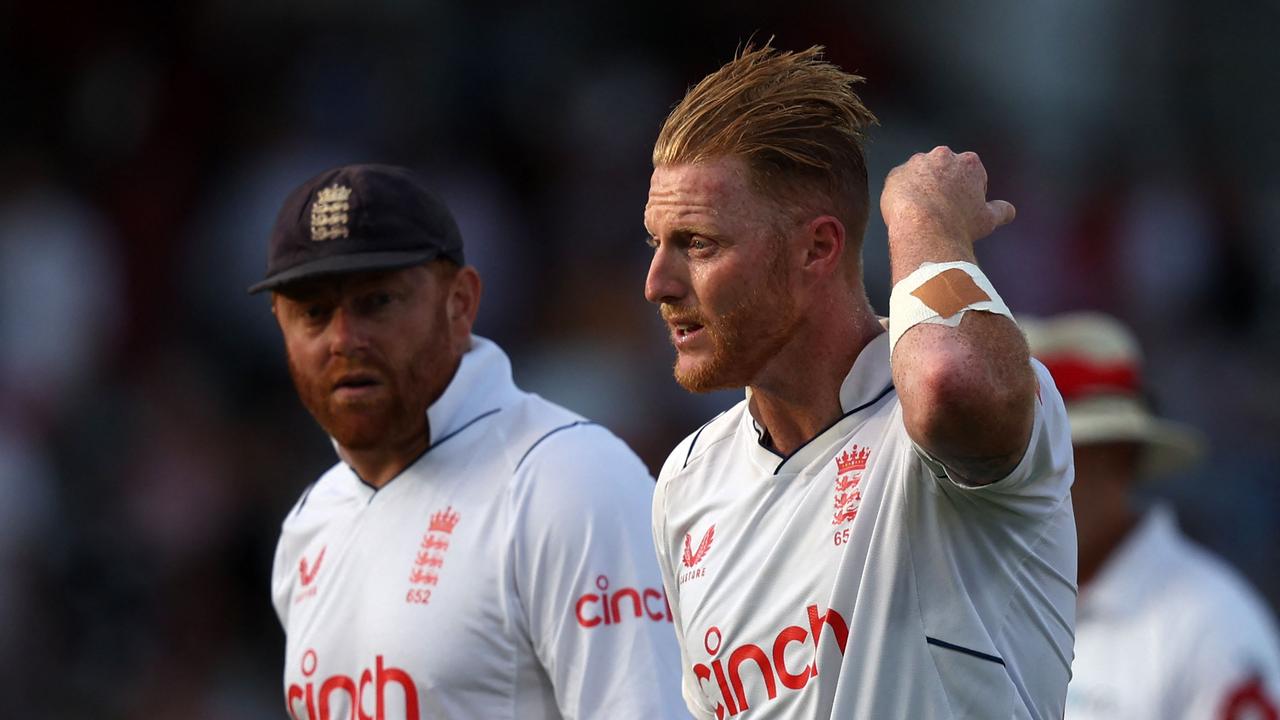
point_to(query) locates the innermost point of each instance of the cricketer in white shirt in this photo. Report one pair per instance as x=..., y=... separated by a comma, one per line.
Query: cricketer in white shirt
x=1166, y=631
x=854, y=579
x=506, y=573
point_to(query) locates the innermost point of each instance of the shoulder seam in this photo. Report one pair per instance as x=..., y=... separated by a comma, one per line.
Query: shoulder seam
x=548, y=434
x=305, y=494
x=440, y=441
x=698, y=434
x=694, y=441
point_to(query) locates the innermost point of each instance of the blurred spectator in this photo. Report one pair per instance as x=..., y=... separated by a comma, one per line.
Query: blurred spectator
x=60, y=290
x=1164, y=628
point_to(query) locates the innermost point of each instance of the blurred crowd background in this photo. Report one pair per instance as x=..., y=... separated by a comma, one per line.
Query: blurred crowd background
x=150, y=440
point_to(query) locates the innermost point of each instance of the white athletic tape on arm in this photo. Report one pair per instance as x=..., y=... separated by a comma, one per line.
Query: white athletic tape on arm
x=944, y=300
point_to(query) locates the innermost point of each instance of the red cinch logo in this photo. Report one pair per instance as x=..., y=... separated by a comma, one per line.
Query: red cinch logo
x=729, y=690
x=344, y=696
x=430, y=558
x=307, y=575
x=849, y=467
x=606, y=609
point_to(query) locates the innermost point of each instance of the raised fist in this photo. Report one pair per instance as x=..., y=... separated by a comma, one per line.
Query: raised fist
x=940, y=196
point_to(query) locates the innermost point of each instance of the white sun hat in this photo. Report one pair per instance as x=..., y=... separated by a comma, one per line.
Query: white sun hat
x=1096, y=364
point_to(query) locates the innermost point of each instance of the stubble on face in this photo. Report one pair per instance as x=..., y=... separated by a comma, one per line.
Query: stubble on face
x=360, y=424
x=749, y=334
x=411, y=374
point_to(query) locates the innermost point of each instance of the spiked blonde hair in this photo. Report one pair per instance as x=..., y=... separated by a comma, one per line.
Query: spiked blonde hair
x=793, y=117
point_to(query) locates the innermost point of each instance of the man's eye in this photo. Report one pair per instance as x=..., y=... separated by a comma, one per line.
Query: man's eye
x=375, y=301
x=652, y=242
x=698, y=243
x=315, y=312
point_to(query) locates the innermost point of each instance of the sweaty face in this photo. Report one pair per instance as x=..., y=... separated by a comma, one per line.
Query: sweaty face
x=369, y=352
x=720, y=274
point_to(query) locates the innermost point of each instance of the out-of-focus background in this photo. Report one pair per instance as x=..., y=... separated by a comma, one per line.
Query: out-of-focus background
x=150, y=440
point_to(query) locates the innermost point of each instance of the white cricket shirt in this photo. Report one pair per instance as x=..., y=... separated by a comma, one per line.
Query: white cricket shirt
x=854, y=580
x=507, y=573
x=1167, y=631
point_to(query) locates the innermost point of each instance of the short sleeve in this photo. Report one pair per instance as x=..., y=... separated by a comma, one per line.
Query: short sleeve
x=589, y=590
x=1043, y=477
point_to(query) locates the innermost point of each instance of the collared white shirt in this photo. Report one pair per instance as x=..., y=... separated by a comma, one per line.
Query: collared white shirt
x=506, y=573
x=854, y=579
x=1167, y=630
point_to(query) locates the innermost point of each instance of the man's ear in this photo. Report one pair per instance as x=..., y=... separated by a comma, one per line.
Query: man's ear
x=463, y=301
x=824, y=239
x=275, y=309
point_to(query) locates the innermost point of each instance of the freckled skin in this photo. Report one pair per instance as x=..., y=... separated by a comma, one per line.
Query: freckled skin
x=720, y=264
x=935, y=206
x=400, y=334
x=783, y=314
x=967, y=393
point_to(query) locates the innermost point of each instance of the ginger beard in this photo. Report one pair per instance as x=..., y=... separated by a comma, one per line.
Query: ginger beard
x=745, y=337
x=398, y=409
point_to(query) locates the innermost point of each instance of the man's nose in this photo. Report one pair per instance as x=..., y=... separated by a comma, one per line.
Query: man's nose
x=348, y=333
x=665, y=282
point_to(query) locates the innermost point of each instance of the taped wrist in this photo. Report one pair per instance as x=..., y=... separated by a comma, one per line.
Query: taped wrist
x=940, y=293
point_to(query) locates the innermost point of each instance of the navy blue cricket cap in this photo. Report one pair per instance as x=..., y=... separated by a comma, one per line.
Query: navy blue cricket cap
x=355, y=218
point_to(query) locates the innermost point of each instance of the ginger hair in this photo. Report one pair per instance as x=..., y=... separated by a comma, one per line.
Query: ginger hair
x=796, y=121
